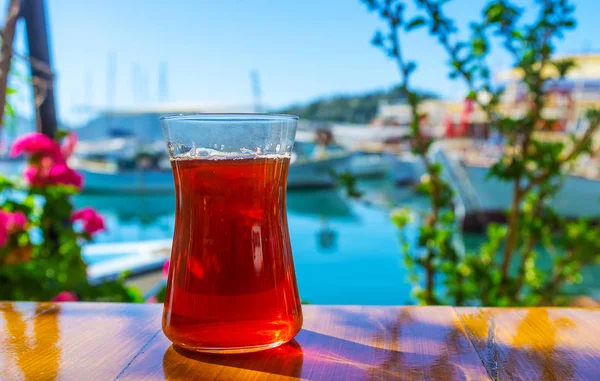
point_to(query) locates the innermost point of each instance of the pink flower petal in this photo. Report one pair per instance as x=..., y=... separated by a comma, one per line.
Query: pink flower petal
x=3, y=235
x=65, y=296
x=16, y=221
x=93, y=222
x=62, y=174
x=33, y=176
x=36, y=143
x=83, y=213
x=166, y=268
x=3, y=228
x=94, y=225
x=68, y=146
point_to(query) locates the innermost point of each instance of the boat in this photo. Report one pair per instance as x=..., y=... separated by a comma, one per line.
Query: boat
x=406, y=169
x=370, y=165
x=142, y=261
x=469, y=163
x=123, y=165
x=578, y=197
x=315, y=165
x=115, y=166
x=364, y=137
x=127, y=181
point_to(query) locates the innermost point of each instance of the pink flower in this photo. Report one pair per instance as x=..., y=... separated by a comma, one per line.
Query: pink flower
x=65, y=296
x=10, y=223
x=152, y=299
x=47, y=174
x=3, y=228
x=68, y=145
x=62, y=174
x=34, y=176
x=166, y=268
x=36, y=144
x=16, y=221
x=92, y=220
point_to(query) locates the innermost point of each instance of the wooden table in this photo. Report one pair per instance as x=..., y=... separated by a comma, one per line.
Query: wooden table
x=86, y=341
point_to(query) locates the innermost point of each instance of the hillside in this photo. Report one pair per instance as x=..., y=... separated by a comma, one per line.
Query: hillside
x=355, y=108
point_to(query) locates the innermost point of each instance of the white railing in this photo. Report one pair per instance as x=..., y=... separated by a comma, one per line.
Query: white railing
x=466, y=199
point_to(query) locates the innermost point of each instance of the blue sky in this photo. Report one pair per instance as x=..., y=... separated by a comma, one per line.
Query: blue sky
x=302, y=49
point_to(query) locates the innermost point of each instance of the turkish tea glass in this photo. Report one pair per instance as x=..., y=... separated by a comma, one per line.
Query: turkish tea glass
x=231, y=286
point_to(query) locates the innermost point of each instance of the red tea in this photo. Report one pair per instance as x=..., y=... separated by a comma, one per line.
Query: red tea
x=232, y=282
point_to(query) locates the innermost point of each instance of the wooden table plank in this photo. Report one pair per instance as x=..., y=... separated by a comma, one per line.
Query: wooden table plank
x=336, y=343
x=14, y=350
x=85, y=341
x=72, y=341
x=536, y=343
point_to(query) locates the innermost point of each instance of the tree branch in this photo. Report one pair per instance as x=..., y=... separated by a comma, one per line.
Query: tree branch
x=6, y=53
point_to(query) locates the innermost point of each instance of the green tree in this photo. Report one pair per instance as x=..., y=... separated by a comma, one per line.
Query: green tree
x=506, y=269
x=436, y=252
x=536, y=167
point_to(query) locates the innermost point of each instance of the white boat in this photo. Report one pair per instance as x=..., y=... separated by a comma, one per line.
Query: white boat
x=314, y=166
x=143, y=261
x=405, y=169
x=369, y=165
x=109, y=260
x=118, y=167
x=119, y=170
x=365, y=137
x=579, y=196
x=128, y=181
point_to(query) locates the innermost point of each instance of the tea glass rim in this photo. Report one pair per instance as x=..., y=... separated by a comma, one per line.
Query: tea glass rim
x=228, y=117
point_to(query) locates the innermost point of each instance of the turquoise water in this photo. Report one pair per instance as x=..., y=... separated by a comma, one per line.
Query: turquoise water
x=345, y=251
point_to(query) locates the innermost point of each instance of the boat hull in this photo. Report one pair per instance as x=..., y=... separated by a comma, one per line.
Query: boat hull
x=579, y=197
x=313, y=174
x=128, y=181
x=317, y=173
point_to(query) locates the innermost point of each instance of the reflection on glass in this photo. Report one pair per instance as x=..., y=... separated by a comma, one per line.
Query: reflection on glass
x=285, y=360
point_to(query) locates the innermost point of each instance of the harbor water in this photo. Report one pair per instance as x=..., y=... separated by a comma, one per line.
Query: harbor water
x=345, y=251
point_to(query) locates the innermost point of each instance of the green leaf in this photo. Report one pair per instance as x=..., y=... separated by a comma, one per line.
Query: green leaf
x=377, y=39
x=61, y=133
x=401, y=217
x=495, y=11
x=415, y=23
x=10, y=111
x=479, y=47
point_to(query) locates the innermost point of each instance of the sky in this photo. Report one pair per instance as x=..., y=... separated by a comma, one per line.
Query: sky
x=302, y=50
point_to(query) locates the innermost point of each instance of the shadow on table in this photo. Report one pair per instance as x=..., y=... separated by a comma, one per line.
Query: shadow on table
x=402, y=346
x=315, y=356
x=285, y=360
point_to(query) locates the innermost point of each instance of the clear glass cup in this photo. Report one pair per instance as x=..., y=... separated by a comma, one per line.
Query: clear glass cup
x=232, y=285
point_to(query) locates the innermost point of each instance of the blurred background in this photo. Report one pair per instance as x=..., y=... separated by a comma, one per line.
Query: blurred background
x=119, y=65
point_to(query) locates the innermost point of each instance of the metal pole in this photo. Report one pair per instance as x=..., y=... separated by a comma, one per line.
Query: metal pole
x=8, y=35
x=34, y=13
